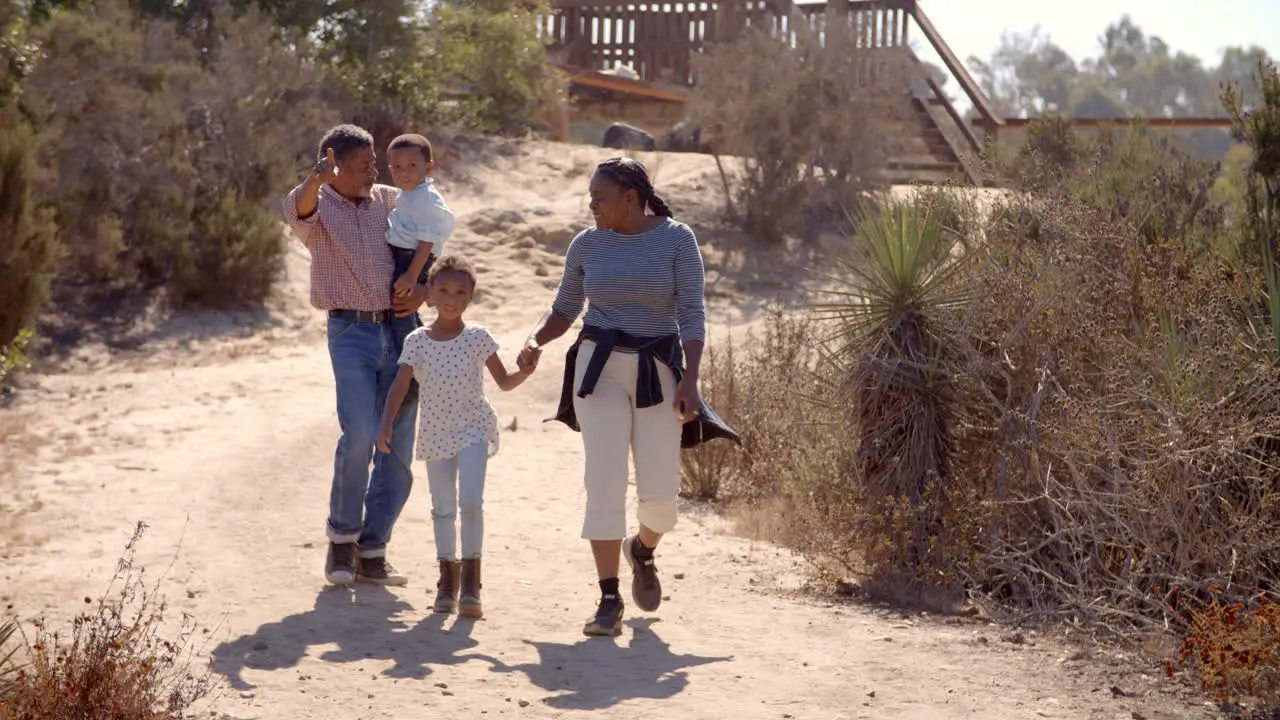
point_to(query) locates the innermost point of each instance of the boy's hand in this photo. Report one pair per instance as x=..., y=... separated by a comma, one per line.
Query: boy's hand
x=407, y=304
x=404, y=285
x=384, y=440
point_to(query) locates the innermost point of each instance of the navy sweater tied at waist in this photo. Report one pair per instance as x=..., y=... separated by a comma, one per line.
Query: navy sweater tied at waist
x=651, y=350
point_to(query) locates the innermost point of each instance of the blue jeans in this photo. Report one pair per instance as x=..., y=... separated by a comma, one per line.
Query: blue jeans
x=457, y=484
x=363, y=508
x=403, y=259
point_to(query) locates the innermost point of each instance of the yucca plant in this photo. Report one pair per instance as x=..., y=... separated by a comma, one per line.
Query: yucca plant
x=1259, y=129
x=8, y=656
x=889, y=315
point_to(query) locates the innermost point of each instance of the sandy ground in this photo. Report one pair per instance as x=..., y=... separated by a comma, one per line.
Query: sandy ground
x=221, y=440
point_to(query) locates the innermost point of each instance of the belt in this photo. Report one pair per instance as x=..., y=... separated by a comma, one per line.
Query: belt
x=376, y=316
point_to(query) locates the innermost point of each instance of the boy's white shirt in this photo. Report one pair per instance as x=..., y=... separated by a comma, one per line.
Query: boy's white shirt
x=420, y=215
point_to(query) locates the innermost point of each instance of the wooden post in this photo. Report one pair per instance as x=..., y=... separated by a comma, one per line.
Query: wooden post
x=837, y=29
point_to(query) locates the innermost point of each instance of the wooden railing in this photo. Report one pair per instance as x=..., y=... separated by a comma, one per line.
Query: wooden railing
x=660, y=40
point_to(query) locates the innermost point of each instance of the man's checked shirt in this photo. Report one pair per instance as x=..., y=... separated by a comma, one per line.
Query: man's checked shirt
x=351, y=265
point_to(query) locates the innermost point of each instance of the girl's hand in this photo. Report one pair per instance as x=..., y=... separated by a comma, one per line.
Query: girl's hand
x=384, y=440
x=687, y=399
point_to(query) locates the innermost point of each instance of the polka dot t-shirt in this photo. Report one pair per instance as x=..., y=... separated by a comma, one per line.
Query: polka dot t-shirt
x=453, y=412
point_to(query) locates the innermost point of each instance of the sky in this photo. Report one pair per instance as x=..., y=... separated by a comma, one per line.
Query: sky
x=973, y=27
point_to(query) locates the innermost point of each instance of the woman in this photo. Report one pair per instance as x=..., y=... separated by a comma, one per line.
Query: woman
x=626, y=387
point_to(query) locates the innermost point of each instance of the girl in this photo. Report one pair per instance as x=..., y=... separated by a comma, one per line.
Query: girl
x=640, y=274
x=457, y=427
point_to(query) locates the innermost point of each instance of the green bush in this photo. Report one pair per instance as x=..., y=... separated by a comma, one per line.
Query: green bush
x=28, y=247
x=166, y=133
x=234, y=256
x=167, y=158
x=488, y=56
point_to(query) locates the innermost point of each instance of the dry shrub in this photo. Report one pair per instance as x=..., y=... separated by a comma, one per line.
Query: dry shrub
x=116, y=663
x=776, y=386
x=1231, y=647
x=769, y=386
x=1107, y=426
x=1120, y=396
x=812, y=129
x=1092, y=433
x=709, y=469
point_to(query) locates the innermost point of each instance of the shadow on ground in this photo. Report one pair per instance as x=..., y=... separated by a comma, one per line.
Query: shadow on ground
x=598, y=673
x=366, y=623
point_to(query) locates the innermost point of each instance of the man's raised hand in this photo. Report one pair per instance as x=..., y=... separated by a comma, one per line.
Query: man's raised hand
x=326, y=171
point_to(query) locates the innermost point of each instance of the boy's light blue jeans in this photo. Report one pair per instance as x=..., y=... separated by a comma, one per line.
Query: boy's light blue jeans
x=457, y=486
x=363, y=508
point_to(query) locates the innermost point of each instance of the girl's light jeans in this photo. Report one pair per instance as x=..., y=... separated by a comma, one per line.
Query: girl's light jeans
x=457, y=486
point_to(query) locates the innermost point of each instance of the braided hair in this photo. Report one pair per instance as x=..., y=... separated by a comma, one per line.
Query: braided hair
x=632, y=175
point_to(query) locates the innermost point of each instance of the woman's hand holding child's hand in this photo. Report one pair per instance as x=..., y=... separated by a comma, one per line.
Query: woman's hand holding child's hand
x=527, y=361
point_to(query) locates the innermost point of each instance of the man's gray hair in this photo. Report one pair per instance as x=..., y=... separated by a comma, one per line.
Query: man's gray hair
x=344, y=139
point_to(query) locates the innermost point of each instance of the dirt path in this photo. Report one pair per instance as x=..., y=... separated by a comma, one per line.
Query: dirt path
x=228, y=461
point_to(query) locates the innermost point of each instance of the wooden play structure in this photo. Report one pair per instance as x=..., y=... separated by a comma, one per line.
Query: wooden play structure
x=634, y=60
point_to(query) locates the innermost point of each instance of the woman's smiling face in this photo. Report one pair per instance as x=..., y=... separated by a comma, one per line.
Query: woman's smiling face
x=610, y=202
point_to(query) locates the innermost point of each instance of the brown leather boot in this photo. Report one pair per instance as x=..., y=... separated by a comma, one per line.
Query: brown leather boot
x=447, y=587
x=469, y=605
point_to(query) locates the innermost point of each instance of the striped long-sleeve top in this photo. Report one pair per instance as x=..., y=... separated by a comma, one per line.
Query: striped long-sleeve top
x=649, y=284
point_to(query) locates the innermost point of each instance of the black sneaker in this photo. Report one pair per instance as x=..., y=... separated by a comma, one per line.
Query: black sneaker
x=608, y=619
x=646, y=589
x=378, y=571
x=340, y=565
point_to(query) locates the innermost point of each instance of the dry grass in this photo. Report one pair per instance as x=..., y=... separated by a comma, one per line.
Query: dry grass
x=8, y=652
x=764, y=385
x=116, y=663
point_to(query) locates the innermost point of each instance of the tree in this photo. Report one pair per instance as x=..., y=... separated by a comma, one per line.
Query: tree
x=1028, y=75
x=1133, y=74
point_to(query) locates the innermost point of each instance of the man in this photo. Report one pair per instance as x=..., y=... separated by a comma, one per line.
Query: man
x=340, y=214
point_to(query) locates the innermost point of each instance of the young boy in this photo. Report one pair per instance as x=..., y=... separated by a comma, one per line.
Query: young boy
x=421, y=221
x=457, y=429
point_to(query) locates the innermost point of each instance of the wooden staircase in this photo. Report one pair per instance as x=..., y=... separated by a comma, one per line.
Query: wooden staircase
x=660, y=40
